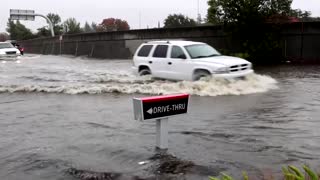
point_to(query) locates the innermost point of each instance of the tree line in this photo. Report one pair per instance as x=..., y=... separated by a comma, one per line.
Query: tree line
x=240, y=12
x=18, y=31
x=253, y=24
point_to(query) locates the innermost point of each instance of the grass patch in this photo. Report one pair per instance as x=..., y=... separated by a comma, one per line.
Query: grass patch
x=289, y=173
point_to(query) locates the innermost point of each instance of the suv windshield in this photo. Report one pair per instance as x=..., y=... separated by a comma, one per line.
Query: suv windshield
x=201, y=51
x=5, y=45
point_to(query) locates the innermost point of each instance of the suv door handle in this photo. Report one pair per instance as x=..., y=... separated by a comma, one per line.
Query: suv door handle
x=169, y=63
x=150, y=62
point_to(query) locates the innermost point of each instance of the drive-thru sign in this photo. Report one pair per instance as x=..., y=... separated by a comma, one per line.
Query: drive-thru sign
x=160, y=108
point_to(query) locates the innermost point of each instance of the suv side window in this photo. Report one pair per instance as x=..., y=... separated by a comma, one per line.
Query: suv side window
x=161, y=51
x=177, y=53
x=145, y=51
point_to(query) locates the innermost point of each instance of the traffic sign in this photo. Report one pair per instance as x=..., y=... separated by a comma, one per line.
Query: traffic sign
x=160, y=106
x=19, y=14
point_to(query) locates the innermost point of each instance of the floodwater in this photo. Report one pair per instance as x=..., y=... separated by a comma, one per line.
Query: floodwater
x=71, y=118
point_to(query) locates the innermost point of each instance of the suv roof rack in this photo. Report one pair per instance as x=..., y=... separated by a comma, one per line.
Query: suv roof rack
x=159, y=42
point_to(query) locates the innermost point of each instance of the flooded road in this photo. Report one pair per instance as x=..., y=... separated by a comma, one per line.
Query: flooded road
x=62, y=113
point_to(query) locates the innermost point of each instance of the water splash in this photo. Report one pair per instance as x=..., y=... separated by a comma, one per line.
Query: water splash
x=123, y=83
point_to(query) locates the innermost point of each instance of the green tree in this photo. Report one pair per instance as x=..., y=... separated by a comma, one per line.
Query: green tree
x=54, y=18
x=303, y=15
x=87, y=28
x=4, y=36
x=18, y=31
x=43, y=32
x=113, y=24
x=311, y=19
x=94, y=26
x=56, y=22
x=247, y=11
x=57, y=27
x=178, y=20
x=253, y=24
x=71, y=26
x=11, y=29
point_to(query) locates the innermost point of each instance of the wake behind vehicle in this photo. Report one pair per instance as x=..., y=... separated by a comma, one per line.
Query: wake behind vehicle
x=8, y=51
x=187, y=60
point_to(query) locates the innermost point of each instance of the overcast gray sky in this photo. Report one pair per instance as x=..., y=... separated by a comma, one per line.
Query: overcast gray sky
x=151, y=11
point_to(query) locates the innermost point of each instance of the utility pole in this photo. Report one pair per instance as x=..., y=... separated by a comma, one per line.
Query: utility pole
x=198, y=7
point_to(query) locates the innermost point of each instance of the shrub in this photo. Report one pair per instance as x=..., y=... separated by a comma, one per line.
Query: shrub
x=289, y=173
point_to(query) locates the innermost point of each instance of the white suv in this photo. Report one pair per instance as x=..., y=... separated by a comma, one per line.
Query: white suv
x=8, y=51
x=186, y=60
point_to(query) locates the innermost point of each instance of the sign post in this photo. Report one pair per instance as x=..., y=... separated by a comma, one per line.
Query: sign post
x=60, y=43
x=160, y=108
x=162, y=131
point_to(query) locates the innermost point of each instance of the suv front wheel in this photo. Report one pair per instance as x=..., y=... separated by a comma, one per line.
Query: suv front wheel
x=145, y=72
x=200, y=74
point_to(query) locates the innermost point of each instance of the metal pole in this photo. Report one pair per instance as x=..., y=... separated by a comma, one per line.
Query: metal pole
x=285, y=48
x=77, y=44
x=302, y=39
x=49, y=22
x=139, y=20
x=162, y=133
x=53, y=47
x=92, y=49
x=60, y=47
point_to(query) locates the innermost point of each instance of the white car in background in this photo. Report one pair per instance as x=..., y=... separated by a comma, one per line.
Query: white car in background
x=187, y=60
x=8, y=51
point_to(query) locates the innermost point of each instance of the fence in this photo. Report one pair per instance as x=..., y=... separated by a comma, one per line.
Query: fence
x=301, y=41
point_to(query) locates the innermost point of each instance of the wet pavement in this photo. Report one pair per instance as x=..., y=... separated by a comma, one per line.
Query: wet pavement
x=72, y=118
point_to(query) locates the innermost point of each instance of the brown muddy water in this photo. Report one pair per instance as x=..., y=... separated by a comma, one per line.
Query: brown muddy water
x=72, y=118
